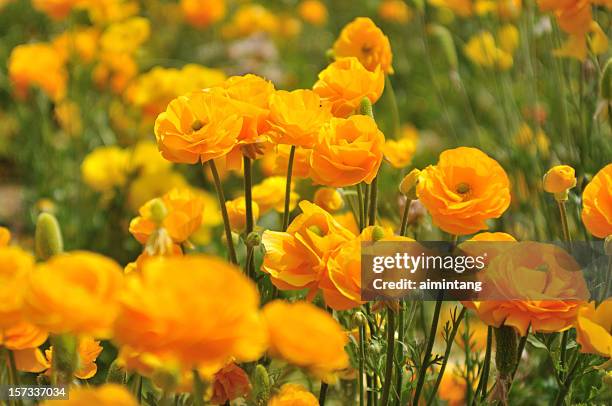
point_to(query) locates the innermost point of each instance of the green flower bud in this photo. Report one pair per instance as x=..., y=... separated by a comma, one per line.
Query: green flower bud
x=330, y=55
x=158, y=211
x=253, y=239
x=261, y=385
x=378, y=233
x=408, y=185
x=365, y=107
x=359, y=319
x=48, y=236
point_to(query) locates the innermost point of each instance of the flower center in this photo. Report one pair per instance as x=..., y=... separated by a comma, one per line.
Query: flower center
x=366, y=49
x=462, y=188
x=196, y=125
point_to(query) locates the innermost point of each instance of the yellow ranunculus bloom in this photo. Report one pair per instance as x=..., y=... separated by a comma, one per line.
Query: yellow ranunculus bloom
x=270, y=194
x=329, y=199
x=39, y=65
x=105, y=395
x=293, y=395
x=105, y=168
x=363, y=40
x=399, y=153
x=594, y=328
x=125, y=37
x=236, y=210
x=559, y=179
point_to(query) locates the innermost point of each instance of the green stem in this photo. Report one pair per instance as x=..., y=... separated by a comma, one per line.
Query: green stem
x=373, y=201
x=486, y=367
x=226, y=223
x=250, y=222
x=400, y=354
x=564, y=225
x=521, y=348
x=361, y=205
x=390, y=356
x=361, y=363
x=430, y=342
x=198, y=389
x=563, y=352
x=288, y=188
x=564, y=389
x=404, y=227
x=394, y=109
x=323, y=393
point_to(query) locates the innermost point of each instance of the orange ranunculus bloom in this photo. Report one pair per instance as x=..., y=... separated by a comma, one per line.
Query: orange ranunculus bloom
x=297, y=259
x=362, y=39
x=88, y=350
x=57, y=9
x=594, y=328
x=538, y=285
x=202, y=13
x=349, y=151
x=453, y=388
x=341, y=284
x=296, y=117
x=39, y=65
x=559, y=179
x=395, y=11
x=198, y=127
x=236, y=211
x=184, y=216
x=329, y=199
x=464, y=190
x=105, y=395
x=344, y=84
x=270, y=194
x=399, y=153
x=313, y=12
x=597, y=203
x=15, y=267
x=291, y=394
x=197, y=310
x=82, y=42
x=573, y=16
x=66, y=294
x=289, y=324
x=23, y=339
x=229, y=383
x=492, y=237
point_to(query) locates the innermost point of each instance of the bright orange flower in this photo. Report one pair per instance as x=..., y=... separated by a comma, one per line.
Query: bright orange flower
x=296, y=117
x=202, y=13
x=559, y=179
x=573, y=16
x=344, y=84
x=362, y=39
x=105, y=395
x=313, y=12
x=236, y=210
x=88, y=350
x=464, y=190
x=395, y=10
x=81, y=42
x=328, y=199
x=197, y=310
x=297, y=259
x=229, y=383
x=594, y=328
x=399, y=153
x=348, y=151
x=5, y=236
x=184, y=216
x=307, y=336
x=492, y=237
x=39, y=65
x=66, y=294
x=57, y=9
x=198, y=127
x=452, y=389
x=15, y=267
x=23, y=339
x=341, y=284
x=597, y=203
x=293, y=395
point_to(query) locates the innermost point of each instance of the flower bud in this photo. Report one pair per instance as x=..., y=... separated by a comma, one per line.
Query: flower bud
x=409, y=183
x=158, y=211
x=253, y=239
x=378, y=233
x=116, y=373
x=330, y=55
x=506, y=358
x=261, y=385
x=359, y=319
x=329, y=199
x=365, y=107
x=48, y=236
x=559, y=180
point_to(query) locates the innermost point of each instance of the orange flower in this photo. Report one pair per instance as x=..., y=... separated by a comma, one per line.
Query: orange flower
x=296, y=117
x=341, y=284
x=202, y=13
x=270, y=194
x=328, y=199
x=57, y=9
x=394, y=10
x=105, y=395
x=15, y=267
x=82, y=42
x=229, y=383
x=559, y=179
x=542, y=284
x=23, y=339
x=66, y=294
x=198, y=127
x=88, y=350
x=297, y=259
x=594, y=328
x=492, y=237
x=293, y=395
x=236, y=210
x=348, y=151
x=301, y=161
x=464, y=190
x=362, y=39
x=313, y=11
x=399, y=153
x=39, y=65
x=306, y=336
x=573, y=16
x=344, y=84
x=197, y=310
x=5, y=237
x=452, y=389
x=184, y=209
x=597, y=203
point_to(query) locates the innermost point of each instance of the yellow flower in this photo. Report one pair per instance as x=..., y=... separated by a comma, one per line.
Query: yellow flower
x=307, y=336
x=328, y=199
x=68, y=116
x=198, y=127
x=145, y=159
x=399, y=153
x=250, y=19
x=125, y=37
x=104, y=12
x=270, y=194
x=395, y=10
x=348, y=151
x=296, y=117
x=197, y=310
x=150, y=186
x=293, y=395
x=38, y=65
x=105, y=168
x=66, y=294
x=105, y=395
x=452, y=389
x=597, y=203
x=505, y=9
x=88, y=350
x=236, y=210
x=482, y=50
x=15, y=267
x=559, y=179
x=344, y=84
x=594, y=328
x=202, y=13
x=115, y=70
x=313, y=12
x=80, y=42
x=23, y=339
x=5, y=237
x=362, y=39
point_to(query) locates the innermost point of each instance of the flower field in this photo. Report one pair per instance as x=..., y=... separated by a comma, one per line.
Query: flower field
x=187, y=188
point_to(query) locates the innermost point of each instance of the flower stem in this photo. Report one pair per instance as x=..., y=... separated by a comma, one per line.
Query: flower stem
x=288, y=188
x=361, y=363
x=400, y=354
x=226, y=223
x=428, y=349
x=486, y=367
x=404, y=227
x=390, y=356
x=361, y=205
x=198, y=389
x=373, y=202
x=250, y=223
x=323, y=393
x=564, y=225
